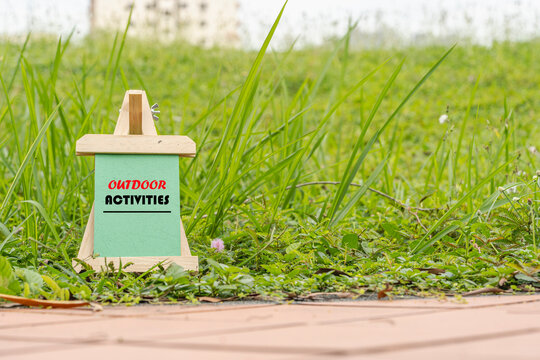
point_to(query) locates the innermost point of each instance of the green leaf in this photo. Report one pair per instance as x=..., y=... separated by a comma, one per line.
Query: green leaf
x=176, y=272
x=293, y=247
x=8, y=281
x=392, y=231
x=4, y=230
x=526, y=278
x=58, y=292
x=5, y=271
x=272, y=269
x=30, y=278
x=350, y=241
x=219, y=268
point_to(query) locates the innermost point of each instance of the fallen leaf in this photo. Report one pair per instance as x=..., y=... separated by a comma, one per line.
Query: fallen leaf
x=96, y=307
x=384, y=292
x=502, y=282
x=44, y=303
x=333, y=271
x=325, y=296
x=434, y=271
x=209, y=299
x=491, y=290
x=9, y=305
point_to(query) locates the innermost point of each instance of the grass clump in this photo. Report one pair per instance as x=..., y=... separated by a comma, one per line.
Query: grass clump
x=322, y=170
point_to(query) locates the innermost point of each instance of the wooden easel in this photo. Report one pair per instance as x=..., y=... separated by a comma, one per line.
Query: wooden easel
x=135, y=133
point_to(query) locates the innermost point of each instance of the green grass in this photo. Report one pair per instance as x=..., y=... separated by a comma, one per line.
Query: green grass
x=309, y=160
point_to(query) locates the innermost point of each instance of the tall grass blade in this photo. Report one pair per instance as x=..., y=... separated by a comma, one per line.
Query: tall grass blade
x=425, y=242
x=380, y=130
x=26, y=161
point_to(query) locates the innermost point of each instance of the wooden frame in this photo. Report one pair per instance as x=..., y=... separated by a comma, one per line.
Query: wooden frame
x=135, y=133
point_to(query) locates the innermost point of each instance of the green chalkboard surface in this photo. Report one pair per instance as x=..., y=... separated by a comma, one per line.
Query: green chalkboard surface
x=137, y=205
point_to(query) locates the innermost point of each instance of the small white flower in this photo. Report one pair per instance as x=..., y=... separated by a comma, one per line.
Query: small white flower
x=521, y=173
x=533, y=149
x=515, y=198
x=512, y=190
x=500, y=188
x=535, y=177
x=443, y=118
x=537, y=172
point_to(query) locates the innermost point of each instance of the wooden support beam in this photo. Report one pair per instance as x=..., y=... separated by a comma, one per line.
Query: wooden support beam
x=135, y=113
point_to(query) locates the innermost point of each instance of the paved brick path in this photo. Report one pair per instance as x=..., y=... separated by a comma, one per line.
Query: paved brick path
x=491, y=327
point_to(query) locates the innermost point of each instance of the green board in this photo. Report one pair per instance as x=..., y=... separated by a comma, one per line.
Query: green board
x=137, y=205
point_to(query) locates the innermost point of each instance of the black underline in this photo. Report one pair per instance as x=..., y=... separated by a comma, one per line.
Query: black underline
x=143, y=211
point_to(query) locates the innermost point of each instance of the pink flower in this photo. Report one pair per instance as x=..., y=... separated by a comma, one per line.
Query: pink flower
x=218, y=245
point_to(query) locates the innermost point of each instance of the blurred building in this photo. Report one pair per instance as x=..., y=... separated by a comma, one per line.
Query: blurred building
x=245, y=23
x=201, y=22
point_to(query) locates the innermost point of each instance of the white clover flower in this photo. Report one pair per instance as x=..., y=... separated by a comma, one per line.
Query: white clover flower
x=533, y=150
x=537, y=172
x=515, y=198
x=500, y=188
x=443, y=118
x=512, y=190
x=521, y=173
